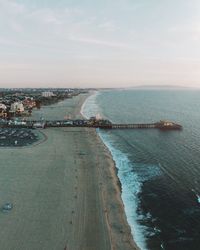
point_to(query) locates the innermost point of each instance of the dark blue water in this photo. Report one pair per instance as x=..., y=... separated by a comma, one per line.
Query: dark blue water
x=159, y=171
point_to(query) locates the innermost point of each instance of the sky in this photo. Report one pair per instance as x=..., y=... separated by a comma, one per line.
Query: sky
x=99, y=43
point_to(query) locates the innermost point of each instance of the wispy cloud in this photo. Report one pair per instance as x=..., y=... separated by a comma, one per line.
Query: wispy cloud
x=43, y=16
x=9, y=42
x=17, y=27
x=13, y=7
x=108, y=26
x=98, y=42
x=122, y=33
x=188, y=28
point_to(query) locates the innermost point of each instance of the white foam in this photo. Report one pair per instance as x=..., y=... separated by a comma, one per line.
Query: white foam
x=131, y=187
x=197, y=195
x=198, y=198
x=90, y=107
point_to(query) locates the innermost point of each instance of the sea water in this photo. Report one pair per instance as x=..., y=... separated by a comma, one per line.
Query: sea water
x=159, y=170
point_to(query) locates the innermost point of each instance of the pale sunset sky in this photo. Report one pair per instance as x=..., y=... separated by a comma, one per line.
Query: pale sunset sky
x=99, y=43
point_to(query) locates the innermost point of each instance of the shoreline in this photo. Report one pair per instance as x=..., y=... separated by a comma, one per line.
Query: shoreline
x=118, y=187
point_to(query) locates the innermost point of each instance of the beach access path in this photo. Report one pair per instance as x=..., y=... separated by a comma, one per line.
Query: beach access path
x=64, y=191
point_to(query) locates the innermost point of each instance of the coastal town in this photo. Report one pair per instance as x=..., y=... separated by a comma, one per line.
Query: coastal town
x=16, y=109
x=20, y=102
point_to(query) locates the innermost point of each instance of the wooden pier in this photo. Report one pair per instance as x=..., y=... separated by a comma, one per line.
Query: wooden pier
x=133, y=126
x=91, y=123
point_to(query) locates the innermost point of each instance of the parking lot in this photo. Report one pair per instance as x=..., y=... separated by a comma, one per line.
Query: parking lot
x=17, y=137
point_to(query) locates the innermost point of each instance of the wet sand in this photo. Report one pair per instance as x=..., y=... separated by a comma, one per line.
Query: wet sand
x=64, y=190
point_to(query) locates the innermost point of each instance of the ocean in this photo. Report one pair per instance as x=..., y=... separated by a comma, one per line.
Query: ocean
x=159, y=171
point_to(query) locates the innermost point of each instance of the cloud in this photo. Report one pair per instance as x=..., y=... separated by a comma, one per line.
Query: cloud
x=73, y=11
x=131, y=6
x=12, y=7
x=189, y=28
x=9, y=42
x=50, y=47
x=17, y=27
x=43, y=16
x=11, y=14
x=189, y=31
x=108, y=26
x=98, y=42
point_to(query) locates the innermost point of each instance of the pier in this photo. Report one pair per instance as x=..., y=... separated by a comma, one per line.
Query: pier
x=133, y=126
x=90, y=123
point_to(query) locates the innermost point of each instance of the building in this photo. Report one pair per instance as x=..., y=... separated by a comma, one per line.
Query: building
x=48, y=94
x=166, y=123
x=17, y=107
x=3, y=112
x=2, y=107
x=29, y=103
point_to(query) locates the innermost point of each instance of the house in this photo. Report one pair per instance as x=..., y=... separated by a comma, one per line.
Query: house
x=29, y=103
x=3, y=112
x=2, y=107
x=17, y=107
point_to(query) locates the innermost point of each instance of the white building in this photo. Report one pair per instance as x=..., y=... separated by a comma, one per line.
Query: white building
x=48, y=94
x=2, y=107
x=3, y=110
x=17, y=107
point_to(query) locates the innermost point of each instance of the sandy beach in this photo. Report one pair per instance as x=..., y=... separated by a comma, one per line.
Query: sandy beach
x=65, y=191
